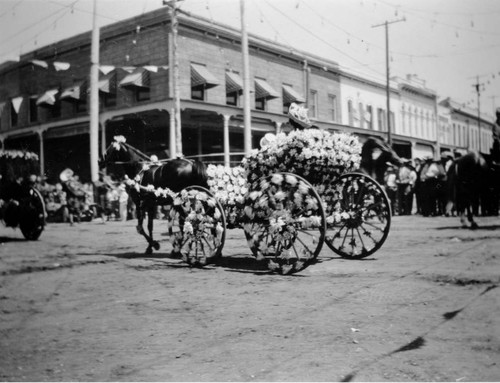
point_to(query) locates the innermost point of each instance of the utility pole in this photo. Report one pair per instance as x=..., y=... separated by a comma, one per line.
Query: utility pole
x=94, y=99
x=388, y=90
x=247, y=120
x=176, y=134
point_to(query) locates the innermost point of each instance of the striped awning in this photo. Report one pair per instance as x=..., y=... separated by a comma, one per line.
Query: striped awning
x=107, y=83
x=264, y=90
x=74, y=93
x=139, y=78
x=48, y=98
x=291, y=95
x=200, y=75
x=234, y=83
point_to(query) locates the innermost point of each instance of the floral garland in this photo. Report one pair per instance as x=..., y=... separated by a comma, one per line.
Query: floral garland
x=317, y=155
x=21, y=154
x=230, y=187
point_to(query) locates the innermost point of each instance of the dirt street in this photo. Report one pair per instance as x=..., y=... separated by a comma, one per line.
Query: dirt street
x=84, y=304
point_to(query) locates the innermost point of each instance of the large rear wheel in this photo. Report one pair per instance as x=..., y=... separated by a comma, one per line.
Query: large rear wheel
x=358, y=215
x=284, y=222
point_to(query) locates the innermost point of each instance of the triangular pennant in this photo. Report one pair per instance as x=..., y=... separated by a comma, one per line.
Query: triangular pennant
x=41, y=63
x=151, y=68
x=105, y=69
x=16, y=103
x=128, y=69
x=164, y=67
x=61, y=66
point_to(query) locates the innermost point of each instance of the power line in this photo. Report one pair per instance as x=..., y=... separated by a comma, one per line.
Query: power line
x=316, y=36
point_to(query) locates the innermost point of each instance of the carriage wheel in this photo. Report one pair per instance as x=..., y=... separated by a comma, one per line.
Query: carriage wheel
x=32, y=215
x=358, y=215
x=198, y=230
x=284, y=222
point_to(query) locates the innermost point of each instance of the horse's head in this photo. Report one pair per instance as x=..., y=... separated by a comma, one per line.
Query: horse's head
x=375, y=155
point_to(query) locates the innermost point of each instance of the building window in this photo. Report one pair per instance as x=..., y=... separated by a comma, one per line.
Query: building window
x=332, y=104
x=198, y=92
x=350, y=113
x=142, y=94
x=313, y=104
x=33, y=109
x=232, y=98
x=361, y=113
x=263, y=92
x=369, y=117
x=381, y=120
x=201, y=80
x=234, y=88
x=108, y=99
x=260, y=103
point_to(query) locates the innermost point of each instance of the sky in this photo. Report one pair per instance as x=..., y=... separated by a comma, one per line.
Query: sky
x=450, y=44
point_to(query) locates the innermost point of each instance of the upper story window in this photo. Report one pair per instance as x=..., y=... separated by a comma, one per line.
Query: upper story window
x=361, y=112
x=381, y=119
x=291, y=95
x=107, y=90
x=201, y=80
x=263, y=93
x=234, y=88
x=350, y=113
x=138, y=82
x=369, y=117
x=77, y=96
x=50, y=101
x=332, y=105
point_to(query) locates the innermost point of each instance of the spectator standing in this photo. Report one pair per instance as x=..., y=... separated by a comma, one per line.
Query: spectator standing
x=391, y=187
x=406, y=185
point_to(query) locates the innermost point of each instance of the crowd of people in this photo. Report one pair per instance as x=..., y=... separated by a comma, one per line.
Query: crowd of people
x=419, y=186
x=72, y=201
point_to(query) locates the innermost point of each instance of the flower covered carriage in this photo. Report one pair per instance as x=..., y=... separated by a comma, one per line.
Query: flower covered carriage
x=295, y=193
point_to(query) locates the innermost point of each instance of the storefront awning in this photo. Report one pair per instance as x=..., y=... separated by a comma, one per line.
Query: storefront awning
x=107, y=83
x=139, y=78
x=200, y=75
x=264, y=90
x=74, y=93
x=48, y=98
x=234, y=83
x=291, y=95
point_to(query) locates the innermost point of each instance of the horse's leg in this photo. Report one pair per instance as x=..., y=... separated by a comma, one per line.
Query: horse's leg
x=470, y=216
x=140, y=220
x=151, y=216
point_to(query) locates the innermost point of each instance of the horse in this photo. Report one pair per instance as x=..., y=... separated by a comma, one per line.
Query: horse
x=174, y=174
x=376, y=154
x=468, y=177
